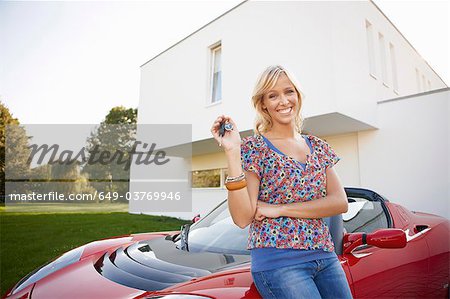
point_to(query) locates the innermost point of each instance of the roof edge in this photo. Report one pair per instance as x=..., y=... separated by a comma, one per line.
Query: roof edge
x=415, y=95
x=233, y=8
x=371, y=1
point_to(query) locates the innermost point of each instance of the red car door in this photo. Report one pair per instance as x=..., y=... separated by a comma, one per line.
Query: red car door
x=384, y=272
x=390, y=272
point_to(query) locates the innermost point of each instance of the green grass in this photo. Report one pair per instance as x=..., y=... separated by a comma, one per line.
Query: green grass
x=29, y=240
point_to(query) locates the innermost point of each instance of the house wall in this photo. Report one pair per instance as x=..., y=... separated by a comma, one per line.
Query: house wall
x=325, y=45
x=407, y=159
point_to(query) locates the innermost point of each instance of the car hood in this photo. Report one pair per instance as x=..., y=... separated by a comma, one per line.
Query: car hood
x=156, y=264
x=127, y=266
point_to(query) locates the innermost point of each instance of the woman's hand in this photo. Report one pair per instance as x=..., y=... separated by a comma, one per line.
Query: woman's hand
x=267, y=210
x=231, y=140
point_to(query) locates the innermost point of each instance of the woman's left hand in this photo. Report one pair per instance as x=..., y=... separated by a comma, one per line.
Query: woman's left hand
x=267, y=210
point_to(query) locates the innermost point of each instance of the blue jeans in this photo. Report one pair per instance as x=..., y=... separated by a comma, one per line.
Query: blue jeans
x=321, y=278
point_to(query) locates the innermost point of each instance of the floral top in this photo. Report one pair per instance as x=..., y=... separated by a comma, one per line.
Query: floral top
x=285, y=180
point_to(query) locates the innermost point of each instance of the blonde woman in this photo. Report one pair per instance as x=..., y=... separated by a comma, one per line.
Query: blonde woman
x=282, y=183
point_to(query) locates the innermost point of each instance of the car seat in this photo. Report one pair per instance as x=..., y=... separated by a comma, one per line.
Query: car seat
x=336, y=225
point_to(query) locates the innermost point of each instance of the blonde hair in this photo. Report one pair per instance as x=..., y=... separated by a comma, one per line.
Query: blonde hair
x=265, y=82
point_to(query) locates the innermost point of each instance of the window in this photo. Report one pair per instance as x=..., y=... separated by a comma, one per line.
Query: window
x=383, y=58
x=209, y=178
x=216, y=74
x=216, y=232
x=418, y=81
x=225, y=174
x=206, y=178
x=370, y=49
x=424, y=87
x=364, y=216
x=393, y=67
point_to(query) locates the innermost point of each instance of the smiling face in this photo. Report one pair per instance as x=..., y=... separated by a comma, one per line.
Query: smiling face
x=281, y=102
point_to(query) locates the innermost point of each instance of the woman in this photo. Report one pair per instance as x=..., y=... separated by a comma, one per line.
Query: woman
x=282, y=183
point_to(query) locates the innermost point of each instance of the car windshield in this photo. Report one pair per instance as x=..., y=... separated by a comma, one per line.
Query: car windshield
x=216, y=232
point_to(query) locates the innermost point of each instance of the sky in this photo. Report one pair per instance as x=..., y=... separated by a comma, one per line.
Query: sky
x=70, y=62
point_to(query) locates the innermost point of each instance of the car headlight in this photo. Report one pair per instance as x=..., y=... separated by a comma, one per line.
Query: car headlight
x=64, y=260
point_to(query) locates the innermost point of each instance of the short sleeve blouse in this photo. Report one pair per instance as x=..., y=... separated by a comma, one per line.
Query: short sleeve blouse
x=283, y=180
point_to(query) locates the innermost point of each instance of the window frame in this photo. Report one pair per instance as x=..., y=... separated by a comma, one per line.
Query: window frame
x=222, y=171
x=212, y=50
x=418, y=81
x=374, y=197
x=383, y=59
x=371, y=49
x=394, y=73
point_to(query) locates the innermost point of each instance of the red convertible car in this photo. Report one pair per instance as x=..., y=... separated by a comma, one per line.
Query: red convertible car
x=385, y=250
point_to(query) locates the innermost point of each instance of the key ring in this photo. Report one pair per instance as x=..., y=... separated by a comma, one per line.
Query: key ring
x=226, y=127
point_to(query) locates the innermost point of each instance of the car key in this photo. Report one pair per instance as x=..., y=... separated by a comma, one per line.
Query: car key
x=222, y=129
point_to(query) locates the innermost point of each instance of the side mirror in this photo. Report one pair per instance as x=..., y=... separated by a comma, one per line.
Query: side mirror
x=196, y=218
x=382, y=238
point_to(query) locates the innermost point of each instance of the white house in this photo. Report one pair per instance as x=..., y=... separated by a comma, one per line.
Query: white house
x=368, y=93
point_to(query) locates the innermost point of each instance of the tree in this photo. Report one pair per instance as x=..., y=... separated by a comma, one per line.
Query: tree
x=121, y=115
x=14, y=147
x=116, y=133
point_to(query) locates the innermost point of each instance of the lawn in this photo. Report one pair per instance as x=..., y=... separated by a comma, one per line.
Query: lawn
x=29, y=240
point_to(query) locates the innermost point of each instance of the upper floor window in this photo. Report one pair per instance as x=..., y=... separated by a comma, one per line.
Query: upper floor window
x=216, y=74
x=424, y=86
x=419, y=87
x=393, y=67
x=370, y=48
x=383, y=58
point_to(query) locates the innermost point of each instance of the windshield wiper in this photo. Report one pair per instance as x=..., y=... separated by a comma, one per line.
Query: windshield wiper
x=184, y=236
